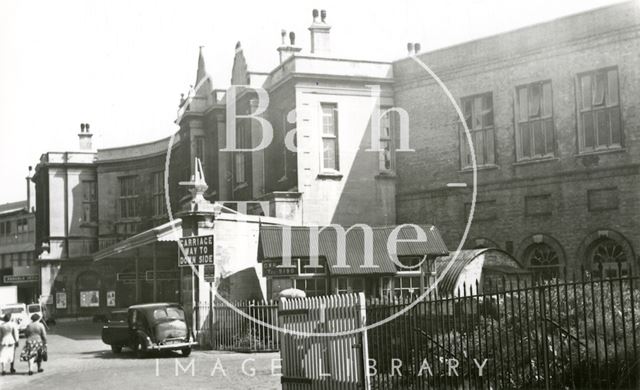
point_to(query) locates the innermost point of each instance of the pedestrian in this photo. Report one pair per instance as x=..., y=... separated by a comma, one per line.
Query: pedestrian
x=9, y=341
x=35, y=349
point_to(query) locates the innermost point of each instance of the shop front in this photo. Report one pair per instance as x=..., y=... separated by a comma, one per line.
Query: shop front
x=358, y=261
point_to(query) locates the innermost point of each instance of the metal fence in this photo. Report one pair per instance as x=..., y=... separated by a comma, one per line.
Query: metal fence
x=232, y=331
x=578, y=332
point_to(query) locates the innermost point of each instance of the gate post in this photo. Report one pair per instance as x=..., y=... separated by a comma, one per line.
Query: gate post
x=364, y=353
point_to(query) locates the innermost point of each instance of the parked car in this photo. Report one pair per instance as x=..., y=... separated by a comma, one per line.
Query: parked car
x=18, y=313
x=149, y=327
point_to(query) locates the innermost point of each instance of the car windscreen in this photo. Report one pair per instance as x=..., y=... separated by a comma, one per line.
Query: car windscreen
x=120, y=316
x=168, y=313
x=34, y=308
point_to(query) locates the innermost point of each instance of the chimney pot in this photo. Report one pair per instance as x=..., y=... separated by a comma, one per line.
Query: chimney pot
x=82, y=127
x=292, y=38
x=416, y=47
x=323, y=15
x=315, y=15
x=283, y=34
x=86, y=126
x=410, y=48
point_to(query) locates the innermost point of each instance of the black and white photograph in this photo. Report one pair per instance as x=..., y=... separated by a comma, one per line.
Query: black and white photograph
x=311, y=195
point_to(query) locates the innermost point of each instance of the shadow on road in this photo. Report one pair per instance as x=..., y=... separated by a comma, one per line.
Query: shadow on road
x=77, y=330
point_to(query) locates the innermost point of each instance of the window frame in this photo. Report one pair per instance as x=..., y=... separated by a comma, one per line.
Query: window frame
x=463, y=144
x=389, y=139
x=158, y=204
x=90, y=186
x=542, y=117
x=239, y=165
x=333, y=137
x=131, y=197
x=593, y=109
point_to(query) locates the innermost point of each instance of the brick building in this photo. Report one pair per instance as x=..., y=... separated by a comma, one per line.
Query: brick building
x=553, y=113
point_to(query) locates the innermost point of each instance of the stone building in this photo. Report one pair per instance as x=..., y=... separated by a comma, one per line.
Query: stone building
x=553, y=113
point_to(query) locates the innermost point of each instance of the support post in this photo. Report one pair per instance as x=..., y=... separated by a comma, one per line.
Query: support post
x=211, y=314
x=155, y=274
x=137, y=270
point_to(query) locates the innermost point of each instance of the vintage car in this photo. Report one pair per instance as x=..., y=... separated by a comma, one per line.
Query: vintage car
x=149, y=327
x=19, y=315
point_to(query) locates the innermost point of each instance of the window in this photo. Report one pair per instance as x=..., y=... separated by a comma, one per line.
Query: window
x=609, y=255
x=128, y=201
x=199, y=142
x=305, y=267
x=534, y=118
x=330, y=152
x=478, y=115
x=407, y=287
x=599, y=111
x=22, y=226
x=312, y=287
x=239, y=158
x=385, y=160
x=543, y=261
x=89, y=202
x=346, y=285
x=158, y=200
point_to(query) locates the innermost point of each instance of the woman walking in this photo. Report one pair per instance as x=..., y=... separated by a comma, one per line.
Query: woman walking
x=35, y=349
x=9, y=337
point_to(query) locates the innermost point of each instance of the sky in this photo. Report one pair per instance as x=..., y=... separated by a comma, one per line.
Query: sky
x=121, y=65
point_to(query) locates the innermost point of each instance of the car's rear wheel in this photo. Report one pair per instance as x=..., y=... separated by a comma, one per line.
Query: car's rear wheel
x=140, y=348
x=116, y=348
x=186, y=351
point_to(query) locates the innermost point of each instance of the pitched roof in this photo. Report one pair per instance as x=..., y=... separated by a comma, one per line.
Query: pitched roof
x=12, y=207
x=272, y=240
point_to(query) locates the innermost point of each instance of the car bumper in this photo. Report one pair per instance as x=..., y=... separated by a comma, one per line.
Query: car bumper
x=160, y=347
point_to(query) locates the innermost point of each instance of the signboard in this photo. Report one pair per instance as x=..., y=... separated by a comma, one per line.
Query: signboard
x=209, y=273
x=21, y=278
x=199, y=250
x=162, y=275
x=90, y=298
x=111, y=298
x=61, y=300
x=274, y=268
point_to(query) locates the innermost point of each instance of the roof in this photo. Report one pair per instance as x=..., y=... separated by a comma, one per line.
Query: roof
x=13, y=207
x=463, y=259
x=271, y=246
x=169, y=231
x=545, y=36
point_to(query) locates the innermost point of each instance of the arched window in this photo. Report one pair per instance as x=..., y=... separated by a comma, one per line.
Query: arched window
x=611, y=255
x=543, y=260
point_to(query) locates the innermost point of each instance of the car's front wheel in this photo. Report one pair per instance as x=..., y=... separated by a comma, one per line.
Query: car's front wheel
x=186, y=351
x=140, y=348
x=116, y=348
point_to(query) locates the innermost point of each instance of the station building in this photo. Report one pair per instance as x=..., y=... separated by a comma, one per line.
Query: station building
x=553, y=114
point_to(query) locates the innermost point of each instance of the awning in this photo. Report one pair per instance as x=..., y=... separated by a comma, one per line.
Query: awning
x=170, y=231
x=271, y=246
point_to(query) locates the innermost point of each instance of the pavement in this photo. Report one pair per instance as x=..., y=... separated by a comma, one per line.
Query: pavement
x=78, y=359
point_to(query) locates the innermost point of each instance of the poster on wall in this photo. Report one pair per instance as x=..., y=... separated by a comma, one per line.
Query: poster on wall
x=111, y=298
x=61, y=300
x=90, y=298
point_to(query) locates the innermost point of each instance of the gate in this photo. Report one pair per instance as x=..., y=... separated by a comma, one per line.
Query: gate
x=335, y=362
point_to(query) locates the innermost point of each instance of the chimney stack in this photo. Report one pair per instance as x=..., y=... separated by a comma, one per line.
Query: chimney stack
x=285, y=50
x=31, y=192
x=85, y=137
x=320, y=43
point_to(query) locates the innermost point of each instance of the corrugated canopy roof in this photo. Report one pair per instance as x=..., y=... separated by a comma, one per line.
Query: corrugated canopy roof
x=272, y=242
